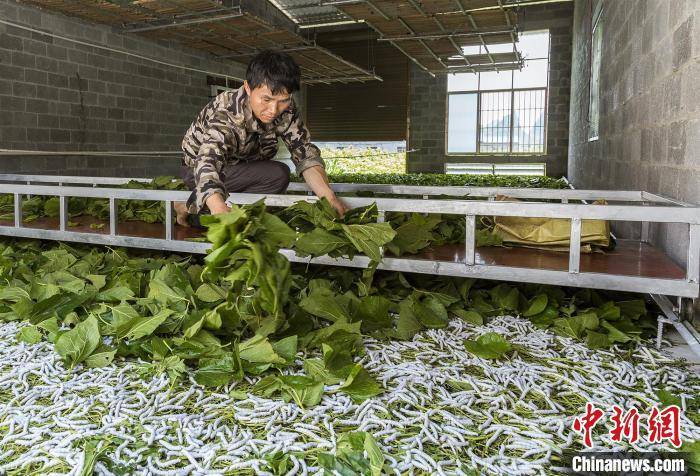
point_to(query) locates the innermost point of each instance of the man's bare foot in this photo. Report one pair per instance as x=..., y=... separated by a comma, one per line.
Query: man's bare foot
x=181, y=213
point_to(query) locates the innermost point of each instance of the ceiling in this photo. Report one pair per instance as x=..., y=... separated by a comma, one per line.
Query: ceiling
x=432, y=33
x=227, y=29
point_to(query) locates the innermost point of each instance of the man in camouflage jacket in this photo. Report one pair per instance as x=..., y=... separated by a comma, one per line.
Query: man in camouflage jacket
x=228, y=147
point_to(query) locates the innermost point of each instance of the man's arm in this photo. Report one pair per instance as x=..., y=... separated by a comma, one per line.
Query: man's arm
x=209, y=190
x=318, y=182
x=307, y=159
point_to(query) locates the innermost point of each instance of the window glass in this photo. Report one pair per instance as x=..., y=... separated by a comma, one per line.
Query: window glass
x=494, y=122
x=496, y=80
x=534, y=44
x=463, y=82
x=533, y=75
x=461, y=127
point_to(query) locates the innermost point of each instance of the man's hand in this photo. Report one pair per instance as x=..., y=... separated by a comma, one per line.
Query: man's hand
x=339, y=206
x=216, y=204
x=317, y=180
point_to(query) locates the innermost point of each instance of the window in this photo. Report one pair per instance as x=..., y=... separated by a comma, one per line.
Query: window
x=497, y=169
x=594, y=79
x=501, y=112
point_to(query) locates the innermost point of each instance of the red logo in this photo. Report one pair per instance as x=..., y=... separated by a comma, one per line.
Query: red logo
x=627, y=425
x=585, y=424
x=662, y=425
x=665, y=425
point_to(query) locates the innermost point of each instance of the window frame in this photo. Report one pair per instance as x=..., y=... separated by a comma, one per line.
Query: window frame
x=512, y=90
x=594, y=73
x=511, y=128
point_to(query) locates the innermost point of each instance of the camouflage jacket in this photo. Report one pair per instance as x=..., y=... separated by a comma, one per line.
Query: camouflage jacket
x=226, y=131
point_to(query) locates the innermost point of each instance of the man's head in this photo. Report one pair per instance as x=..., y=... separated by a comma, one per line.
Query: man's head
x=271, y=79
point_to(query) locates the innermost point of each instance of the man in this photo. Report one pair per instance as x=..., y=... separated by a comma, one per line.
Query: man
x=228, y=147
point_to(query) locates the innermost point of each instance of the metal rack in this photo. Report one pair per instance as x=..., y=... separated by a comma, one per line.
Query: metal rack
x=228, y=30
x=636, y=206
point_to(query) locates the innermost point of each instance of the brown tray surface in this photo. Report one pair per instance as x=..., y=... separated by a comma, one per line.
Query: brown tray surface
x=630, y=257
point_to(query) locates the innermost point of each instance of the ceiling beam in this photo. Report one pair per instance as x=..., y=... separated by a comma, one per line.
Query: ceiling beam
x=437, y=36
x=141, y=27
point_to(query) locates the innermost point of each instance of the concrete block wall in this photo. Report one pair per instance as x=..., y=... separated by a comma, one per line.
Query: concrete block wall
x=428, y=102
x=64, y=95
x=649, y=133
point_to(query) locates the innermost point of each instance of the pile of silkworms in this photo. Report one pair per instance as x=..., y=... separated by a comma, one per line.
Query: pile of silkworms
x=443, y=411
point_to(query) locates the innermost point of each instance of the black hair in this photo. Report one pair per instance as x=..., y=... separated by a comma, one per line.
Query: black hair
x=275, y=69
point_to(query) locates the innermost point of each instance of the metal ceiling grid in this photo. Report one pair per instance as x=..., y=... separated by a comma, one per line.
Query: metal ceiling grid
x=227, y=32
x=311, y=12
x=432, y=32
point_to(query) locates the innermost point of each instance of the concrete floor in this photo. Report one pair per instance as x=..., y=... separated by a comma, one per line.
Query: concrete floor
x=680, y=349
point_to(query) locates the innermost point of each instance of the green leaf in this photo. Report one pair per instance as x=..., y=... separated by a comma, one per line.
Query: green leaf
x=75, y=345
x=505, y=297
x=144, y=326
x=305, y=391
x=58, y=304
x=319, y=242
x=97, y=280
x=360, y=385
x=214, y=372
x=574, y=326
x=596, y=340
x=123, y=317
x=614, y=334
x=536, y=305
x=412, y=236
x=102, y=357
x=209, y=293
x=29, y=335
x=376, y=457
x=407, y=324
x=259, y=350
x=51, y=327
x=115, y=294
x=471, y=317
x=276, y=232
x=316, y=369
x=368, y=238
x=608, y=311
x=430, y=312
x=373, y=311
x=632, y=309
x=324, y=303
x=488, y=346
x=667, y=398
x=163, y=293
x=286, y=348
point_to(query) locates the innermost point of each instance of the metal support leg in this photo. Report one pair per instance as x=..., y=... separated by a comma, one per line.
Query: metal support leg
x=685, y=329
x=168, y=220
x=18, y=210
x=113, y=215
x=575, y=246
x=63, y=213
x=470, y=240
x=693, y=267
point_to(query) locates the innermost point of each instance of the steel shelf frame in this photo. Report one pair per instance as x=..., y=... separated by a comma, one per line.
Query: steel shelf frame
x=639, y=206
x=658, y=212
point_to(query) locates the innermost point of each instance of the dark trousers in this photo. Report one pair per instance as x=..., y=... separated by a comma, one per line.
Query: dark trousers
x=258, y=176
